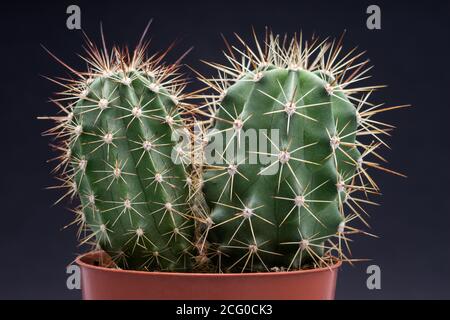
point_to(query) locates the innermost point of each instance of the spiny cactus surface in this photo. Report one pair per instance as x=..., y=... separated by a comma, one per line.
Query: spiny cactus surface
x=117, y=139
x=284, y=162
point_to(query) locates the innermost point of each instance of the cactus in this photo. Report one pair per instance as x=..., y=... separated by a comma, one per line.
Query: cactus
x=272, y=180
x=292, y=212
x=117, y=134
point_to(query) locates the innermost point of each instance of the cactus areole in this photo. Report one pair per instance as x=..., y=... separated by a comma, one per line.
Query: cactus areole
x=267, y=172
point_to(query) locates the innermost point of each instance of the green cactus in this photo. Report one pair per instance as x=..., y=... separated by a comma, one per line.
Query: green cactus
x=118, y=141
x=271, y=182
x=286, y=213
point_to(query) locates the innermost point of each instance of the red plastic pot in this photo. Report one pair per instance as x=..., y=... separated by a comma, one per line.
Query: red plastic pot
x=108, y=283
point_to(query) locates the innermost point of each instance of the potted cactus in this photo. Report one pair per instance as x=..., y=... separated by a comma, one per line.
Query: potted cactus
x=245, y=192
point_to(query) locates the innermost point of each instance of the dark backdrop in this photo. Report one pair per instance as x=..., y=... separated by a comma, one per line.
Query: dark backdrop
x=410, y=54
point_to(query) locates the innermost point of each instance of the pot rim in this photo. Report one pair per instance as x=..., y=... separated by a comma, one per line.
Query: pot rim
x=81, y=261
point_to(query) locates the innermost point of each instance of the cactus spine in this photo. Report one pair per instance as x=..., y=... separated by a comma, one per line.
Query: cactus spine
x=287, y=213
x=117, y=138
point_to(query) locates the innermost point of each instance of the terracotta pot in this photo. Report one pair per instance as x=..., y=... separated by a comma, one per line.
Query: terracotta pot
x=107, y=283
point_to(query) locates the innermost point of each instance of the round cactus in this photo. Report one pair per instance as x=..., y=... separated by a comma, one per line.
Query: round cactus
x=284, y=160
x=118, y=140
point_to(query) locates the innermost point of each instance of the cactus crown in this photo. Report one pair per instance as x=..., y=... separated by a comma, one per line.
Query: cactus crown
x=287, y=200
x=271, y=181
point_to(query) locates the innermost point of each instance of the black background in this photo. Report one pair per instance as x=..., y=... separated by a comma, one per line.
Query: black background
x=410, y=53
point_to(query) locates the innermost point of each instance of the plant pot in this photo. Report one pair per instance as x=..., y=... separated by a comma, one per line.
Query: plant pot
x=107, y=283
